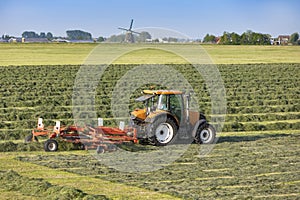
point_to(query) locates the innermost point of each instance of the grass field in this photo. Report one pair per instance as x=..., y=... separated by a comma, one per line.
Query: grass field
x=75, y=54
x=256, y=158
x=239, y=167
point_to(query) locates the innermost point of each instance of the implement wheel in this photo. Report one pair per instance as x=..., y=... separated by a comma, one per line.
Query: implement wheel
x=30, y=138
x=51, y=145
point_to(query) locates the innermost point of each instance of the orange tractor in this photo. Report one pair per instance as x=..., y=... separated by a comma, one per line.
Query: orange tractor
x=165, y=118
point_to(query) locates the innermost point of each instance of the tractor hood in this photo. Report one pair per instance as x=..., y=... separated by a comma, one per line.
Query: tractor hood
x=139, y=114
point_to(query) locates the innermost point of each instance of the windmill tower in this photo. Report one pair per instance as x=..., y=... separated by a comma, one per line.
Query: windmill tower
x=129, y=33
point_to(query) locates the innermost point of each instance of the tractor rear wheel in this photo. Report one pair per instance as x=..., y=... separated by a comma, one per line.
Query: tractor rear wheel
x=51, y=145
x=162, y=131
x=206, y=134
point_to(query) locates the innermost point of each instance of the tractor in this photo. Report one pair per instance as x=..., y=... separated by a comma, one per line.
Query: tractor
x=166, y=118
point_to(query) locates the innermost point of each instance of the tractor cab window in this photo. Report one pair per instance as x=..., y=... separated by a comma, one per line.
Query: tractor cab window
x=176, y=105
x=171, y=103
x=163, y=102
x=149, y=102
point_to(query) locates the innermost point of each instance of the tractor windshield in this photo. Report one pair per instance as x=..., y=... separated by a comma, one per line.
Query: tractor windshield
x=162, y=102
x=149, y=101
x=171, y=103
x=144, y=98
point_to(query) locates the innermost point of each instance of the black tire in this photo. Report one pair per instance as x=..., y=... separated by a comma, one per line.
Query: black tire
x=111, y=147
x=51, y=145
x=28, y=138
x=81, y=146
x=100, y=150
x=162, y=131
x=206, y=134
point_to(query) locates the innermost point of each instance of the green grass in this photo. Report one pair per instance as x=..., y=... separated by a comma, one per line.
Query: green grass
x=239, y=167
x=62, y=54
x=58, y=177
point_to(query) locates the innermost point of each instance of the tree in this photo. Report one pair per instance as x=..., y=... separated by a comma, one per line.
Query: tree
x=30, y=34
x=79, y=35
x=244, y=39
x=143, y=36
x=49, y=36
x=209, y=39
x=249, y=37
x=42, y=35
x=235, y=38
x=100, y=39
x=172, y=39
x=294, y=38
x=225, y=38
x=6, y=37
x=116, y=38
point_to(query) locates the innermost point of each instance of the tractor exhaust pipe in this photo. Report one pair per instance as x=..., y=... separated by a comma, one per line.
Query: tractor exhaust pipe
x=188, y=108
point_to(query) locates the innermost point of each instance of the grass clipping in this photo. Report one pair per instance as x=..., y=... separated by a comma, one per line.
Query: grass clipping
x=12, y=181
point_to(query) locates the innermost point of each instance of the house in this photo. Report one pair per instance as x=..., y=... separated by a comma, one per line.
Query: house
x=217, y=40
x=281, y=40
x=60, y=40
x=3, y=40
x=35, y=40
x=81, y=41
x=14, y=40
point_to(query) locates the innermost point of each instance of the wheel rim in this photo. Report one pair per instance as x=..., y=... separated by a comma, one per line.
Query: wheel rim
x=52, y=146
x=164, y=133
x=205, y=135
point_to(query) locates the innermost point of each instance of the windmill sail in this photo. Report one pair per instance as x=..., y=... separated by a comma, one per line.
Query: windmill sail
x=129, y=38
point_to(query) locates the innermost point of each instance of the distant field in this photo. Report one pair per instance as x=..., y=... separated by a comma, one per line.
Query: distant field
x=75, y=54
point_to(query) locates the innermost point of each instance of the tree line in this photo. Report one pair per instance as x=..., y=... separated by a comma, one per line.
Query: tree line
x=32, y=34
x=82, y=35
x=247, y=38
x=228, y=38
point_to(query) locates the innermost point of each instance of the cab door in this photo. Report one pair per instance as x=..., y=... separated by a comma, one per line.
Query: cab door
x=176, y=106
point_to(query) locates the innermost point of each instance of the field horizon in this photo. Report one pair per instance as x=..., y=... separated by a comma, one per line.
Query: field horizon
x=76, y=54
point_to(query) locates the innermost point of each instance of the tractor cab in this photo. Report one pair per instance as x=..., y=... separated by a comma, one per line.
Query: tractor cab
x=158, y=101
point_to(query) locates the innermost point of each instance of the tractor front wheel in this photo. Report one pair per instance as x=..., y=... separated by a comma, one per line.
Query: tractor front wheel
x=51, y=145
x=162, y=131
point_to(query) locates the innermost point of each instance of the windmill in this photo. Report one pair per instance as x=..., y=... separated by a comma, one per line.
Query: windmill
x=129, y=33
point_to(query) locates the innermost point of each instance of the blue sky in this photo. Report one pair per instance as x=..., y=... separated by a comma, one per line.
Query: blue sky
x=194, y=18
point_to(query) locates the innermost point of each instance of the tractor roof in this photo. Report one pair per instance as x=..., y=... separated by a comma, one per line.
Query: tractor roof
x=157, y=92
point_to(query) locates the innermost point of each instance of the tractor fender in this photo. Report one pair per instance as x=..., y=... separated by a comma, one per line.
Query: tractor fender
x=151, y=118
x=197, y=125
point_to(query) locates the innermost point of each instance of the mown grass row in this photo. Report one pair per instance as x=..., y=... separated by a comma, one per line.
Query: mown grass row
x=239, y=167
x=257, y=95
x=12, y=182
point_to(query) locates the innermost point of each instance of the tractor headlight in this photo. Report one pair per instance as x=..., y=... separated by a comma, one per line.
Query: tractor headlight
x=132, y=116
x=130, y=134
